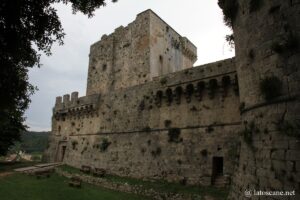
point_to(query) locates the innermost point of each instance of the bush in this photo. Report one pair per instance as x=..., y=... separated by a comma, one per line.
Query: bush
x=271, y=87
x=104, y=144
x=163, y=81
x=248, y=132
x=289, y=128
x=230, y=40
x=174, y=134
x=168, y=123
x=290, y=43
x=242, y=106
x=146, y=129
x=74, y=144
x=230, y=9
x=156, y=152
x=254, y=5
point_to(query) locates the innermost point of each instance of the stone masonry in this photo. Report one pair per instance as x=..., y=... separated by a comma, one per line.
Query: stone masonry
x=148, y=113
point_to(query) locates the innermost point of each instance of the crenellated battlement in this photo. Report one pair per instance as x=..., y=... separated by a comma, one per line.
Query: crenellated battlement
x=76, y=107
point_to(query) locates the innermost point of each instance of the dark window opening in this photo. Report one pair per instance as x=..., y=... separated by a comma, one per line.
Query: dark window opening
x=104, y=66
x=63, y=151
x=217, y=166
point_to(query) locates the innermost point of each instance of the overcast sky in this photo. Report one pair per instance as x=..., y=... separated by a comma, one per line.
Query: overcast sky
x=66, y=70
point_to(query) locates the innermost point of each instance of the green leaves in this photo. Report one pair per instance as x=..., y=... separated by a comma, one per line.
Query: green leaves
x=23, y=24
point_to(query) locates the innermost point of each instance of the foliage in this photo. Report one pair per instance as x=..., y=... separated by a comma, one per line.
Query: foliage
x=209, y=129
x=168, y=123
x=251, y=54
x=271, y=87
x=242, y=106
x=254, y=5
x=74, y=144
x=249, y=131
x=230, y=40
x=276, y=47
x=289, y=43
x=230, y=9
x=289, y=128
x=142, y=105
x=174, y=134
x=32, y=142
x=104, y=144
x=26, y=27
x=163, y=81
x=156, y=152
x=204, y=153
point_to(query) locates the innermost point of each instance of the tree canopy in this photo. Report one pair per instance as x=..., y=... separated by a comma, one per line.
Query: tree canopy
x=23, y=25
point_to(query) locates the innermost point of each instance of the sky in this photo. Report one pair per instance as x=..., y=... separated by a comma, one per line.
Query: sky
x=65, y=70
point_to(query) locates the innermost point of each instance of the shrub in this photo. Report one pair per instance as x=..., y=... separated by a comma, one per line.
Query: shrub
x=276, y=47
x=183, y=181
x=271, y=87
x=242, y=106
x=142, y=105
x=230, y=9
x=156, y=152
x=168, y=123
x=251, y=54
x=163, y=80
x=74, y=144
x=174, y=134
x=104, y=144
x=289, y=128
x=248, y=132
x=254, y=5
x=209, y=129
x=204, y=153
x=230, y=40
x=291, y=42
x=146, y=129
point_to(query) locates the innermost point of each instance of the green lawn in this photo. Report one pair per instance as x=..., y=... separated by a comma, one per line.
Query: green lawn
x=23, y=187
x=160, y=185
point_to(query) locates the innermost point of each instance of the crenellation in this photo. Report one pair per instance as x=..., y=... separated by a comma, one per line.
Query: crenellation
x=74, y=97
x=165, y=119
x=58, y=100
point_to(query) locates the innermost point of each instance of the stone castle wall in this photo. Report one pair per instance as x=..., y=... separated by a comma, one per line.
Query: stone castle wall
x=267, y=35
x=169, y=128
x=150, y=115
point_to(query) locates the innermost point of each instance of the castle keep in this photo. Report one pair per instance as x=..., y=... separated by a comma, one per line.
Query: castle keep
x=148, y=113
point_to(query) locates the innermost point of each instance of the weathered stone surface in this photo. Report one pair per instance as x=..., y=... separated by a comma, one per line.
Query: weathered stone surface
x=146, y=117
x=149, y=114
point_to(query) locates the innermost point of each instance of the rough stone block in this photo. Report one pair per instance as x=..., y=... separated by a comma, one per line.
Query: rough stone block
x=293, y=155
x=278, y=155
x=294, y=144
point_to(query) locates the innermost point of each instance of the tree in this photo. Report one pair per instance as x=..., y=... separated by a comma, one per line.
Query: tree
x=23, y=25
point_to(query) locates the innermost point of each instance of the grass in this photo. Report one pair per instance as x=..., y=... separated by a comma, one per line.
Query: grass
x=161, y=185
x=23, y=187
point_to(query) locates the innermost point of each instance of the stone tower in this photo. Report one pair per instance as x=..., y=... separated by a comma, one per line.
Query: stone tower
x=133, y=55
x=266, y=35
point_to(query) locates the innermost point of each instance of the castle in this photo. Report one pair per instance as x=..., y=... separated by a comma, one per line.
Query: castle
x=148, y=113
